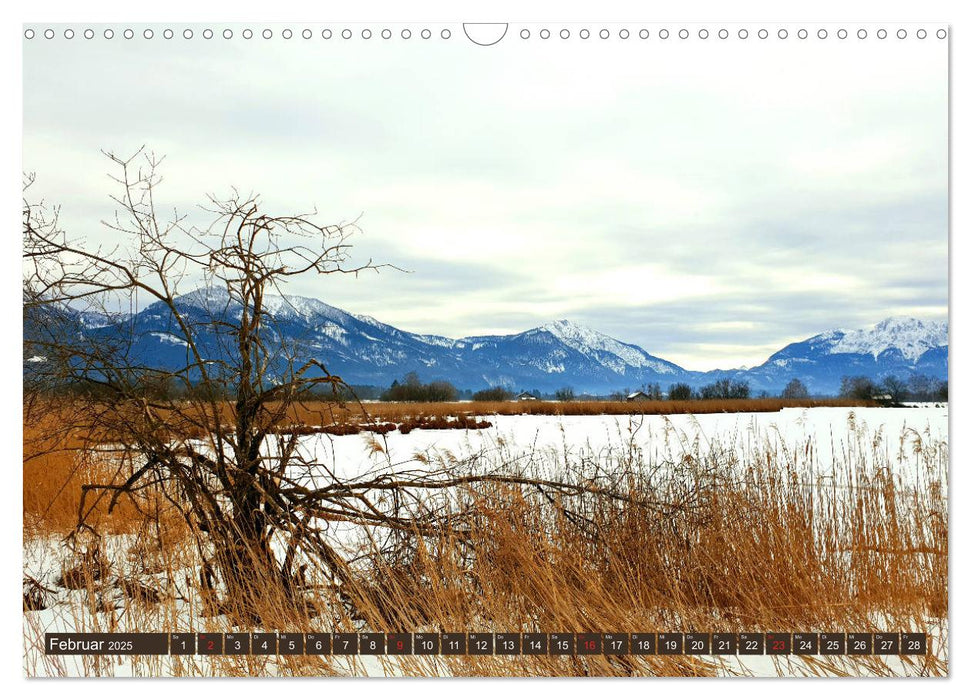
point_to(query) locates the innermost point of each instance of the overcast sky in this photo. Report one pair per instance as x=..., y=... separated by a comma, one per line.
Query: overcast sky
x=710, y=200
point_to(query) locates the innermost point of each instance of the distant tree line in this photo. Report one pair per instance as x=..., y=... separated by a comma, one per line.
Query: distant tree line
x=919, y=387
x=153, y=387
x=681, y=391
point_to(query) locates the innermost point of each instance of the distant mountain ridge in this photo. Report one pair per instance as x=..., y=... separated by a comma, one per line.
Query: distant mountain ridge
x=911, y=337
x=363, y=350
x=894, y=346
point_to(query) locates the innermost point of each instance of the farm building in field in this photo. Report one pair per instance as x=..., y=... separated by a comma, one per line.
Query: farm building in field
x=883, y=399
x=654, y=395
x=526, y=396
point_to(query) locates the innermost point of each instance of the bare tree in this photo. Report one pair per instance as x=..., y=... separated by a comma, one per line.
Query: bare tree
x=213, y=433
x=860, y=388
x=895, y=387
x=795, y=389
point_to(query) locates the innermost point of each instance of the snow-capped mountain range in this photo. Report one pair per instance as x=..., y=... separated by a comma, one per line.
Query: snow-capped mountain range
x=911, y=337
x=362, y=350
x=894, y=346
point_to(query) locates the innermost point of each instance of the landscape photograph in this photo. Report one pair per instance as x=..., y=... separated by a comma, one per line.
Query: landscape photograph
x=527, y=350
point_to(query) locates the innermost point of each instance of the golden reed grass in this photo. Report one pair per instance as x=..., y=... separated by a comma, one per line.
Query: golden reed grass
x=60, y=456
x=763, y=549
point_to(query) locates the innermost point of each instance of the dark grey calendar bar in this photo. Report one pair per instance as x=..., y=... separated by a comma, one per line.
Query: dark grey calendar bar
x=489, y=643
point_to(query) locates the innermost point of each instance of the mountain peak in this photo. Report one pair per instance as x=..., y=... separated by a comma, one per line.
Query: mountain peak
x=897, y=323
x=613, y=353
x=911, y=336
x=204, y=297
x=307, y=308
x=279, y=305
x=575, y=335
x=564, y=326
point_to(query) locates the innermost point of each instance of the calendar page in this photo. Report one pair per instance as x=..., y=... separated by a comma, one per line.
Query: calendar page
x=440, y=349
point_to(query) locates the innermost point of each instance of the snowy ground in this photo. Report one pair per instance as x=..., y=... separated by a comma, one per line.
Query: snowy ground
x=836, y=435
x=832, y=432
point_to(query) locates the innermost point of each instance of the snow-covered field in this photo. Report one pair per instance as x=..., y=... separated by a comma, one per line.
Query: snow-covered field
x=833, y=432
x=813, y=439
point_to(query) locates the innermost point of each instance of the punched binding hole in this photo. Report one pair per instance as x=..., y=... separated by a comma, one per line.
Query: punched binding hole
x=485, y=33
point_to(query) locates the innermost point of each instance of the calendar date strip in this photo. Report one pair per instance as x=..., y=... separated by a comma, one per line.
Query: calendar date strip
x=489, y=643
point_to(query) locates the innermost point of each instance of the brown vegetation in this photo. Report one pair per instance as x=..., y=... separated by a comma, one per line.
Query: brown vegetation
x=350, y=417
x=62, y=456
x=320, y=412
